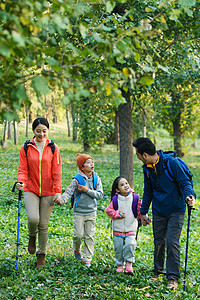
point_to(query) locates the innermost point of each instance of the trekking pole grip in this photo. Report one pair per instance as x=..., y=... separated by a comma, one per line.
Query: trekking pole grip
x=190, y=208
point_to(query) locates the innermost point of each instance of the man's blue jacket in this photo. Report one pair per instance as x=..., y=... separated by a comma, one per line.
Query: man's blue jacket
x=166, y=198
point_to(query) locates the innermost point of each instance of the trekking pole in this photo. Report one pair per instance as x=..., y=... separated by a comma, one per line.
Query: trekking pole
x=187, y=242
x=19, y=208
x=139, y=225
x=138, y=228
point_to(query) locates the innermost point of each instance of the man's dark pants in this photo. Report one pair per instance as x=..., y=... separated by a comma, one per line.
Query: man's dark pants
x=167, y=232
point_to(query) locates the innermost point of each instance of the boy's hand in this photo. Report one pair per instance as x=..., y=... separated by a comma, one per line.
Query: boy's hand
x=57, y=199
x=82, y=188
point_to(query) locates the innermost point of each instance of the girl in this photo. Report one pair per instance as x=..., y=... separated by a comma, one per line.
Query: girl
x=124, y=223
x=40, y=174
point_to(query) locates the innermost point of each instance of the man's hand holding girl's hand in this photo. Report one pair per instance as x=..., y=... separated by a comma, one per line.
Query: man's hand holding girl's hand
x=145, y=220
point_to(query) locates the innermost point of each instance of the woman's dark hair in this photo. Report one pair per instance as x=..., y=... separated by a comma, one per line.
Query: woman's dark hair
x=115, y=186
x=144, y=145
x=38, y=121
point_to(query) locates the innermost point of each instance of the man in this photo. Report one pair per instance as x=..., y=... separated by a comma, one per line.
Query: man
x=169, y=200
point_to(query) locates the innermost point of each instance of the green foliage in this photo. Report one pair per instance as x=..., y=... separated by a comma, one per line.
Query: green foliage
x=63, y=277
x=109, y=45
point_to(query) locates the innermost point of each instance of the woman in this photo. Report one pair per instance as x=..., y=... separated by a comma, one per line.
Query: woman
x=40, y=174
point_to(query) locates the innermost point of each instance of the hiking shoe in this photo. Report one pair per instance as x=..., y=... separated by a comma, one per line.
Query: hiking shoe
x=40, y=260
x=87, y=263
x=172, y=284
x=129, y=268
x=77, y=254
x=120, y=269
x=32, y=244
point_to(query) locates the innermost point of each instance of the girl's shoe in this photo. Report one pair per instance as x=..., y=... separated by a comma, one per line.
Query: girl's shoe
x=129, y=268
x=120, y=269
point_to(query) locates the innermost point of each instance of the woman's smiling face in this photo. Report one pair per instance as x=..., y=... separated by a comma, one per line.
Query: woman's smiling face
x=41, y=133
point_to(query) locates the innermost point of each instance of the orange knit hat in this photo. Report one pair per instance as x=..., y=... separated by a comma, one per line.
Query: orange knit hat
x=81, y=158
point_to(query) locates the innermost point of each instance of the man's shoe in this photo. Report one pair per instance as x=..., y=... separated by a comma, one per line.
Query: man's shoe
x=172, y=284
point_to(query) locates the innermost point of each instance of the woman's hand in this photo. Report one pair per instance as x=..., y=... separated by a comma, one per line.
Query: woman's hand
x=20, y=186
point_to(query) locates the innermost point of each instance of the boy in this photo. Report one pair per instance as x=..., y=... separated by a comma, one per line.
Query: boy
x=84, y=207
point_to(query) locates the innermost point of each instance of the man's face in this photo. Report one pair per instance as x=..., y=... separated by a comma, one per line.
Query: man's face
x=141, y=157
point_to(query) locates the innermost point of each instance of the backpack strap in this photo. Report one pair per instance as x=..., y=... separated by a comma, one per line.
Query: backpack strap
x=134, y=204
x=168, y=171
x=52, y=145
x=115, y=202
x=26, y=146
x=80, y=179
x=95, y=180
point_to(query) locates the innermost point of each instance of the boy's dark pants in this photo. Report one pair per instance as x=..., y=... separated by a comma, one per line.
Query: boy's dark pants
x=167, y=232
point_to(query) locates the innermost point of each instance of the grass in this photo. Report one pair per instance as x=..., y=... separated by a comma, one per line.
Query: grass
x=65, y=278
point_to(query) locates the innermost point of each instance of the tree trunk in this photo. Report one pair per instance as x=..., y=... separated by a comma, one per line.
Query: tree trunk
x=177, y=124
x=74, y=137
x=9, y=130
x=85, y=129
x=15, y=132
x=177, y=136
x=68, y=122
x=27, y=119
x=126, y=139
x=4, y=142
x=144, y=126
x=117, y=130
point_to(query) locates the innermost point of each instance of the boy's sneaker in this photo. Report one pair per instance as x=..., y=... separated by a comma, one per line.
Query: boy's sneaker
x=172, y=284
x=77, y=254
x=87, y=263
x=120, y=269
x=129, y=268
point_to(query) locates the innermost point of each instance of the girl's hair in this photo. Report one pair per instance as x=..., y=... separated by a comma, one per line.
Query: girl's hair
x=115, y=186
x=38, y=121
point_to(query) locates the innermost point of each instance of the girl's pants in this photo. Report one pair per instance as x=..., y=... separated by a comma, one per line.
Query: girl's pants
x=124, y=249
x=38, y=211
x=167, y=232
x=84, y=228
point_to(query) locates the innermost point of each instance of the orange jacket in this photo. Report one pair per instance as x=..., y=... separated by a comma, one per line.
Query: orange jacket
x=40, y=175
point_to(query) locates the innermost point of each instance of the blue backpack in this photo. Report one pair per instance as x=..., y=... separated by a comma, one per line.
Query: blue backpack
x=170, y=176
x=81, y=181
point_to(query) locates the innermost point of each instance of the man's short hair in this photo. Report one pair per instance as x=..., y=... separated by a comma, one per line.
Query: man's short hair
x=144, y=145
